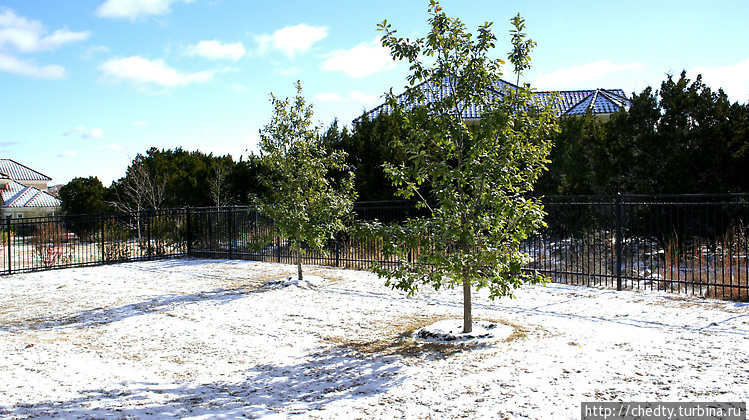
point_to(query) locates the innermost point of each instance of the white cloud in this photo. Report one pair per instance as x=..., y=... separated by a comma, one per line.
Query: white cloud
x=142, y=71
x=61, y=37
x=111, y=147
x=291, y=40
x=288, y=71
x=134, y=9
x=734, y=79
x=21, y=35
x=29, y=35
x=365, y=99
x=215, y=50
x=583, y=73
x=28, y=68
x=140, y=123
x=95, y=133
x=361, y=60
x=355, y=96
x=91, y=51
x=74, y=131
x=250, y=143
x=328, y=97
x=67, y=153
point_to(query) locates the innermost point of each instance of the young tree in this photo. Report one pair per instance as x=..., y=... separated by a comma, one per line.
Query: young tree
x=306, y=204
x=139, y=190
x=219, y=185
x=479, y=171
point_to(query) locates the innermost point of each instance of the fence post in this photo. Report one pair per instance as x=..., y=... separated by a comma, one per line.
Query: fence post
x=230, y=233
x=337, y=253
x=189, y=232
x=209, y=225
x=103, y=241
x=149, y=252
x=278, y=247
x=10, y=244
x=618, y=241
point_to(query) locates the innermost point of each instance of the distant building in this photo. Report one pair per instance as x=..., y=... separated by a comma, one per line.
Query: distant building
x=599, y=102
x=24, y=192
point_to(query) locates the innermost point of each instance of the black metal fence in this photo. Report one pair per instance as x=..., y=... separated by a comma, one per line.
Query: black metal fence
x=696, y=244
x=46, y=243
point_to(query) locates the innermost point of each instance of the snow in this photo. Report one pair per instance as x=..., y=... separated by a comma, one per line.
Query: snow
x=200, y=339
x=451, y=331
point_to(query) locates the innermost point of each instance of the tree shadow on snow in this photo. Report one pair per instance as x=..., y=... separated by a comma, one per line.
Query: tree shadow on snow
x=103, y=316
x=320, y=379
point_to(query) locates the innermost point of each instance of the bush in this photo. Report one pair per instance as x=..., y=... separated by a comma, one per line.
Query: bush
x=49, y=244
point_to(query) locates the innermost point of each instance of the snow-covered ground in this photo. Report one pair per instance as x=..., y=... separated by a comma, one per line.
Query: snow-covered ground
x=196, y=338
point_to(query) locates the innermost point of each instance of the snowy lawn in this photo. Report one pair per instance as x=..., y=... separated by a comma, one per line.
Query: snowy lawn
x=210, y=339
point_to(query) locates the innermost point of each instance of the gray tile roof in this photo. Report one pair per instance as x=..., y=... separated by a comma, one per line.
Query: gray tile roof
x=15, y=195
x=597, y=101
x=572, y=102
x=11, y=169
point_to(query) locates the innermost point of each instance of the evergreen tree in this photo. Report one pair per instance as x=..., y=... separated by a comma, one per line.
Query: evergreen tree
x=682, y=139
x=369, y=145
x=83, y=196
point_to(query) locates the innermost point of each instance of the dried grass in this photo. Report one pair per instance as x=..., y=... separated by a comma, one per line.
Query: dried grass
x=396, y=339
x=716, y=269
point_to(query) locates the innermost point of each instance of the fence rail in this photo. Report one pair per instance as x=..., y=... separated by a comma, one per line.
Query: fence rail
x=695, y=244
x=46, y=243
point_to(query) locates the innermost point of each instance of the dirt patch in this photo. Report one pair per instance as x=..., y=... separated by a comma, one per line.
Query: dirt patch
x=397, y=337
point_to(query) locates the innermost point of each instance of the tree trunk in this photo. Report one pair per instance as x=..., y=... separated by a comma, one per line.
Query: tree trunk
x=299, y=255
x=467, y=317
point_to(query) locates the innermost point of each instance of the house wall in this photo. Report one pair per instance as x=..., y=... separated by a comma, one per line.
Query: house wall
x=42, y=185
x=28, y=212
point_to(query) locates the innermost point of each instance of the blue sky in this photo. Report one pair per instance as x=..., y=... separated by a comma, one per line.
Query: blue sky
x=87, y=85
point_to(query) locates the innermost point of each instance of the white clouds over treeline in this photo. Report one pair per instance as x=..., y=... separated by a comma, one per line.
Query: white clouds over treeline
x=362, y=60
x=584, y=73
x=733, y=79
x=20, y=37
x=633, y=77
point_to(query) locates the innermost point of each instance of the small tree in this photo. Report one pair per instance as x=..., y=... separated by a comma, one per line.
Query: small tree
x=478, y=171
x=219, y=185
x=306, y=203
x=138, y=190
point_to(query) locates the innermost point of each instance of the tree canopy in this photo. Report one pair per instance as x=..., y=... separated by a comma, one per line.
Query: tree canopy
x=309, y=192
x=83, y=196
x=478, y=171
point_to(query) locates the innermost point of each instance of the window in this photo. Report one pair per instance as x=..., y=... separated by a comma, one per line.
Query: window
x=19, y=215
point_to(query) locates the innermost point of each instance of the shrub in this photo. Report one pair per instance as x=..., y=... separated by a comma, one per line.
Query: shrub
x=49, y=244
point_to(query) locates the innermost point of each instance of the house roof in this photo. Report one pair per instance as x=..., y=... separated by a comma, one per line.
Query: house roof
x=11, y=169
x=15, y=195
x=572, y=102
x=597, y=101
